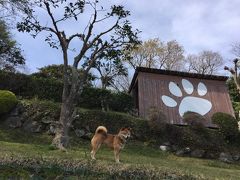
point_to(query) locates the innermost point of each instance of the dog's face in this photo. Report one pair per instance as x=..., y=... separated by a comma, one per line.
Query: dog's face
x=126, y=132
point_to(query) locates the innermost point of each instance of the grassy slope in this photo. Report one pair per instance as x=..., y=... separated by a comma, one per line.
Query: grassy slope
x=17, y=147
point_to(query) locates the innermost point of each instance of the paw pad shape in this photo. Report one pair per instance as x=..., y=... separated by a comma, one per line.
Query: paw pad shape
x=188, y=103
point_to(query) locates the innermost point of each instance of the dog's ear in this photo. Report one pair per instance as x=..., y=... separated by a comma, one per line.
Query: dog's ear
x=122, y=129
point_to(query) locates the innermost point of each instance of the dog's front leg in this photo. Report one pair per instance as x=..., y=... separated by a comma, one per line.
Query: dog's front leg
x=93, y=155
x=116, y=154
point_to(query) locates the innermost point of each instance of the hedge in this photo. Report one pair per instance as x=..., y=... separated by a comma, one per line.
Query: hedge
x=30, y=86
x=227, y=124
x=7, y=101
x=195, y=121
x=91, y=119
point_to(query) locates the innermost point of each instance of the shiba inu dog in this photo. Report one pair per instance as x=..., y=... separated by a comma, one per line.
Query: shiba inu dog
x=116, y=142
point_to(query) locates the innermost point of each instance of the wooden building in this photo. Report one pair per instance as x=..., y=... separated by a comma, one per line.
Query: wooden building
x=176, y=92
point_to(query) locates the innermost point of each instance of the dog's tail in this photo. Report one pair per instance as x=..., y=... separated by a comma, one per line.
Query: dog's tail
x=101, y=130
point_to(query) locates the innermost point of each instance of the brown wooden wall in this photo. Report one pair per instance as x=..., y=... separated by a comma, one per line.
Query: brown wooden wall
x=152, y=86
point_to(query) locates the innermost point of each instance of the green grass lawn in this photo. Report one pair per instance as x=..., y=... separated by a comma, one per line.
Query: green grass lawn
x=23, y=155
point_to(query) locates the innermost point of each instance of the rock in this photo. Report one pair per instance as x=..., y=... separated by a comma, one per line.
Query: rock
x=88, y=136
x=197, y=153
x=211, y=155
x=180, y=152
x=236, y=157
x=166, y=144
x=87, y=128
x=52, y=129
x=174, y=148
x=164, y=148
x=46, y=120
x=13, y=122
x=225, y=157
x=80, y=132
x=183, y=152
x=32, y=126
x=18, y=110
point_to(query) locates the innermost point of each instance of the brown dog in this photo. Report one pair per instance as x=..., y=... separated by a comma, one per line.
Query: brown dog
x=116, y=142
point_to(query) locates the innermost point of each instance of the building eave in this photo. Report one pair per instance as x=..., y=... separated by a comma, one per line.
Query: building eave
x=174, y=73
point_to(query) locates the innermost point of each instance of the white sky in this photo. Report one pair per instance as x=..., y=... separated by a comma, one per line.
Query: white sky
x=196, y=24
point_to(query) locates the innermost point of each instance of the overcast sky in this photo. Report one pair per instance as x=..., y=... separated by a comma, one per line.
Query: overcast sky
x=196, y=24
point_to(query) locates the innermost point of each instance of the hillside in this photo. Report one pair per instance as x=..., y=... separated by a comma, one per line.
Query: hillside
x=25, y=155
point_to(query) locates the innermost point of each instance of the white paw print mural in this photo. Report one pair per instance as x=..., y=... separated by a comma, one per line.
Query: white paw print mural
x=188, y=103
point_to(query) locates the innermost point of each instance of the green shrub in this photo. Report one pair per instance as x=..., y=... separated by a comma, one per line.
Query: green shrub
x=30, y=86
x=96, y=98
x=92, y=98
x=227, y=124
x=121, y=102
x=156, y=119
x=7, y=101
x=113, y=121
x=236, y=107
x=194, y=120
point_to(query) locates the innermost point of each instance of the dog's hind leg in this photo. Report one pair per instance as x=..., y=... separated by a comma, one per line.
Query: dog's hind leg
x=94, y=150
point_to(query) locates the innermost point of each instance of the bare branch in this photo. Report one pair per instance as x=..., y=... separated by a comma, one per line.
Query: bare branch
x=52, y=18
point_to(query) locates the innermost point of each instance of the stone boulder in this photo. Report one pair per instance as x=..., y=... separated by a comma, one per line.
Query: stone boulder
x=183, y=152
x=83, y=134
x=32, y=126
x=13, y=122
x=236, y=157
x=197, y=153
x=18, y=110
x=164, y=148
x=225, y=157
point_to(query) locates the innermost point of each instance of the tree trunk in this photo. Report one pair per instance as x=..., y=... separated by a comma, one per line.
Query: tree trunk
x=61, y=138
x=67, y=113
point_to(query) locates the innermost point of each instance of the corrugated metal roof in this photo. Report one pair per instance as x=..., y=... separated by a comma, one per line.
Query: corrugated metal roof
x=175, y=73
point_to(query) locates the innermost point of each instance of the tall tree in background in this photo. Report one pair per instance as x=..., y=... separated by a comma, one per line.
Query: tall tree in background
x=235, y=49
x=55, y=71
x=234, y=85
x=144, y=55
x=206, y=62
x=157, y=54
x=236, y=62
x=114, y=32
x=109, y=70
x=10, y=53
x=11, y=8
x=122, y=83
x=171, y=58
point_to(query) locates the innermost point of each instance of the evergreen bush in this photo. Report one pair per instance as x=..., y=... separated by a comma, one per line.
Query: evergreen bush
x=31, y=86
x=227, y=124
x=194, y=120
x=7, y=101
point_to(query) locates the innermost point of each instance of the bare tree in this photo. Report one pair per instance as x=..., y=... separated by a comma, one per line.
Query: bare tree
x=144, y=55
x=235, y=74
x=236, y=49
x=11, y=57
x=122, y=83
x=157, y=54
x=109, y=69
x=11, y=8
x=206, y=62
x=116, y=33
x=171, y=58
